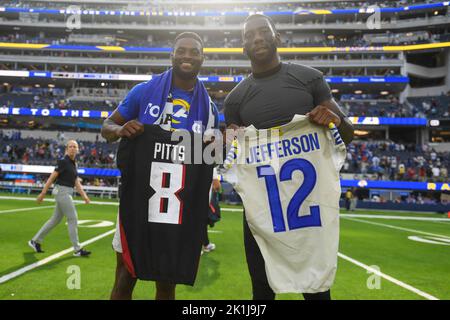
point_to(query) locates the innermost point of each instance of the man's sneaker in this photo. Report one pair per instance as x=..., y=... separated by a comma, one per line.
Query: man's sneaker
x=210, y=247
x=36, y=246
x=81, y=253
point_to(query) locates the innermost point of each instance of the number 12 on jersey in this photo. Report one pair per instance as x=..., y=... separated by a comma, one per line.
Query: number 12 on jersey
x=273, y=193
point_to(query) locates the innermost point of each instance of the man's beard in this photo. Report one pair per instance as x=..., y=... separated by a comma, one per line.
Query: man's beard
x=185, y=75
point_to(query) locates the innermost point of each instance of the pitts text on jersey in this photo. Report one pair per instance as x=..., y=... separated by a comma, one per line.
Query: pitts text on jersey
x=164, y=201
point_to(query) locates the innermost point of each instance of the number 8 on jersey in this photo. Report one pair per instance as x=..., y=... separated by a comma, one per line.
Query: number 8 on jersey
x=165, y=205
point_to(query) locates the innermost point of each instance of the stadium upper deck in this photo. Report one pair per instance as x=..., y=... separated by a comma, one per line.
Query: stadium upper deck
x=123, y=42
x=212, y=15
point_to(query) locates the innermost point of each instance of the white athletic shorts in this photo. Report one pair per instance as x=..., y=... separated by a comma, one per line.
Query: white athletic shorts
x=117, y=243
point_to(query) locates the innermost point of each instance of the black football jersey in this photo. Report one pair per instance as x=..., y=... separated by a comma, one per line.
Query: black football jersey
x=164, y=202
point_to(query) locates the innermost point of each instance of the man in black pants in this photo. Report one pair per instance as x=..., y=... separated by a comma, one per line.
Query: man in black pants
x=270, y=97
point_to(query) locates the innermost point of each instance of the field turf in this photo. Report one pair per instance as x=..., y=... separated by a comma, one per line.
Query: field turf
x=410, y=269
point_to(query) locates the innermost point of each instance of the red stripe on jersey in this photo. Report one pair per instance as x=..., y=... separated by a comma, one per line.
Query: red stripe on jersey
x=126, y=256
x=177, y=195
x=163, y=183
x=165, y=180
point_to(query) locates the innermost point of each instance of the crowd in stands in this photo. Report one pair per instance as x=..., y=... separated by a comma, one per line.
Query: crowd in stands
x=438, y=106
x=57, y=99
x=413, y=37
x=387, y=160
x=109, y=98
x=423, y=199
x=424, y=107
x=14, y=149
x=412, y=198
x=103, y=67
x=379, y=160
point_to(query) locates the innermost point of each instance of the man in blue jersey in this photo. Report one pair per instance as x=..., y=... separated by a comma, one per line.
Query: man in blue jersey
x=175, y=98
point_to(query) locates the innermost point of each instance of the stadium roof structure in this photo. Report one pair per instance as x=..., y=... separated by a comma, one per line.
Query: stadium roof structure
x=213, y=13
x=281, y=50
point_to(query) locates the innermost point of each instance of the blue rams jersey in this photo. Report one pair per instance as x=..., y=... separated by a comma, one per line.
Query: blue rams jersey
x=130, y=107
x=181, y=105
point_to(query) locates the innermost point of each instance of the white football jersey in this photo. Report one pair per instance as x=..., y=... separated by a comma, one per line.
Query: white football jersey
x=290, y=188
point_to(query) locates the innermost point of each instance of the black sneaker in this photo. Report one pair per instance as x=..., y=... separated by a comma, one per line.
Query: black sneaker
x=36, y=246
x=81, y=253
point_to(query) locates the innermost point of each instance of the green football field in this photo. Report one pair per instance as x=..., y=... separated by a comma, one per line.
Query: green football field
x=410, y=251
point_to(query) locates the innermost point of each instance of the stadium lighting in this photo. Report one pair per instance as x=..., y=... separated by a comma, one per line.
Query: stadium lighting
x=434, y=123
x=358, y=91
x=361, y=132
x=384, y=93
x=335, y=90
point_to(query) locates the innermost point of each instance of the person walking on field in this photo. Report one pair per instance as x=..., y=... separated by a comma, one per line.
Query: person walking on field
x=65, y=178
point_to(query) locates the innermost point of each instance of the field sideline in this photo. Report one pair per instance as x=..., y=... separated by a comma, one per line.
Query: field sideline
x=411, y=250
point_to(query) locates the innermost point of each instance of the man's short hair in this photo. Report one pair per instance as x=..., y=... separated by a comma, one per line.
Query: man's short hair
x=261, y=16
x=189, y=35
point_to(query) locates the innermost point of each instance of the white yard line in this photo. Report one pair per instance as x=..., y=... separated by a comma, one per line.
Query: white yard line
x=372, y=216
x=447, y=223
x=388, y=278
x=368, y=268
x=26, y=209
x=395, y=211
x=44, y=261
x=99, y=202
x=39, y=263
x=24, y=198
x=53, y=200
x=397, y=228
x=232, y=209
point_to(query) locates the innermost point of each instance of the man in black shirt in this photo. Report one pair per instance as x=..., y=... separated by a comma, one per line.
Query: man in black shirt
x=65, y=178
x=270, y=97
